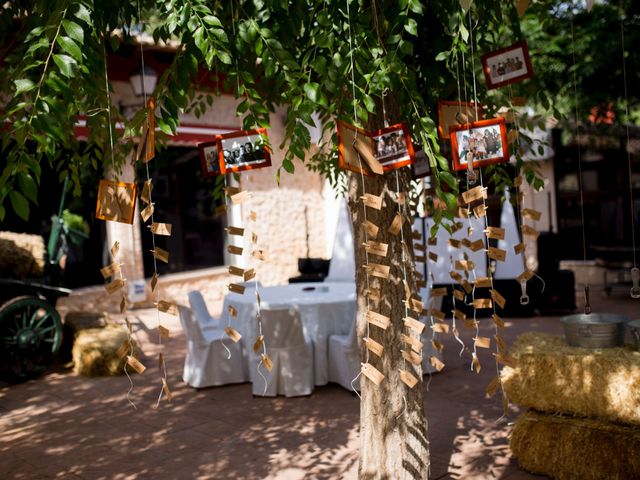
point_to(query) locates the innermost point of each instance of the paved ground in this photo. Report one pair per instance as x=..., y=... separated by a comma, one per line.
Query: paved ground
x=65, y=426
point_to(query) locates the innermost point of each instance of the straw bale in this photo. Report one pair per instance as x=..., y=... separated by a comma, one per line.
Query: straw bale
x=569, y=448
x=95, y=351
x=553, y=377
x=73, y=323
x=21, y=255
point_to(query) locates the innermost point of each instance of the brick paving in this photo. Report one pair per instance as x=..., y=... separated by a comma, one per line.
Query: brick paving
x=66, y=426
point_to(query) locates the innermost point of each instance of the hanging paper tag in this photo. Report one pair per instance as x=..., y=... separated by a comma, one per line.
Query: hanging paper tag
x=376, y=248
x=495, y=232
x=532, y=214
x=373, y=346
x=370, y=228
x=240, y=197
x=455, y=276
x=377, y=319
x=482, y=282
x=477, y=245
x=235, y=288
x=437, y=345
x=253, y=216
x=249, y=274
x=493, y=386
x=420, y=247
x=257, y=345
x=498, y=321
x=232, y=311
x=258, y=255
x=482, y=342
x=372, y=201
x=519, y=248
x=161, y=254
x=154, y=281
x=475, y=193
x=163, y=331
x=373, y=294
x=480, y=210
x=408, y=379
x=123, y=349
x=480, y=303
x=411, y=356
x=458, y=294
x=438, y=314
x=115, y=248
x=128, y=324
x=235, y=230
x=266, y=361
x=433, y=257
x=466, y=265
x=220, y=209
x=238, y=272
x=524, y=276
x=233, y=334
x=436, y=363
x=231, y=191
x=147, y=212
x=475, y=362
x=414, y=325
x=463, y=212
x=502, y=345
x=530, y=231
x=168, y=307
x=499, y=299
x=165, y=389
x=414, y=343
x=150, y=144
x=396, y=225
x=366, y=154
x=123, y=304
x=372, y=373
x=415, y=305
x=254, y=238
x=440, y=327
x=135, y=364
x=114, y=286
x=110, y=270
x=454, y=243
x=420, y=258
x=234, y=250
x=505, y=359
x=421, y=284
x=497, y=254
x=407, y=290
x=459, y=314
x=377, y=270
x=147, y=188
x=470, y=324
x=432, y=241
x=161, y=228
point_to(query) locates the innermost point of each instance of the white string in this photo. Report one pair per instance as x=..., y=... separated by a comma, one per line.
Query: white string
x=473, y=66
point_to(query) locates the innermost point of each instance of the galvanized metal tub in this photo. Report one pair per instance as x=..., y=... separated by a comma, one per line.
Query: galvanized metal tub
x=634, y=330
x=596, y=330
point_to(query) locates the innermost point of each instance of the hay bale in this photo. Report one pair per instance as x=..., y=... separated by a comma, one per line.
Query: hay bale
x=569, y=448
x=73, y=323
x=553, y=377
x=95, y=351
x=21, y=255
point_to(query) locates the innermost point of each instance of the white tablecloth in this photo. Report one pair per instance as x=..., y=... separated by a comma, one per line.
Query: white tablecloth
x=325, y=309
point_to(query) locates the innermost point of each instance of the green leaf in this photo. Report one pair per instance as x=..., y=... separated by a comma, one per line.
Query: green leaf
x=464, y=33
x=201, y=43
x=212, y=20
x=287, y=164
x=28, y=187
x=65, y=63
x=224, y=57
x=83, y=14
x=369, y=104
x=73, y=30
x=416, y=6
x=19, y=204
x=312, y=89
x=412, y=27
x=70, y=47
x=23, y=85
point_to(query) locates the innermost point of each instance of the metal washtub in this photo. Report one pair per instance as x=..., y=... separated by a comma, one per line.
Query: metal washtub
x=595, y=330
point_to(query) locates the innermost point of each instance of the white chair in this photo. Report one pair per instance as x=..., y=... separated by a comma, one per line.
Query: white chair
x=201, y=312
x=344, y=359
x=290, y=352
x=206, y=363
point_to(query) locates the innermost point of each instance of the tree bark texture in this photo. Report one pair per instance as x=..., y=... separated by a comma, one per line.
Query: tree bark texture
x=393, y=433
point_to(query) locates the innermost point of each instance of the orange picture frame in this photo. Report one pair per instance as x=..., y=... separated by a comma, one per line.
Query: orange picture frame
x=243, y=150
x=507, y=65
x=347, y=156
x=392, y=146
x=483, y=142
x=209, y=158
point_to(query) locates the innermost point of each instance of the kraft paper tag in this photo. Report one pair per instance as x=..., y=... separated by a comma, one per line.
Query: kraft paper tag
x=166, y=390
x=110, y=270
x=231, y=191
x=115, y=248
x=499, y=299
x=238, y=272
x=433, y=257
x=480, y=303
x=254, y=237
x=163, y=331
x=497, y=254
x=408, y=379
x=466, y=265
x=266, y=361
x=249, y=274
x=411, y=356
x=372, y=201
x=366, y=153
x=519, y=248
x=455, y=276
x=154, y=281
x=436, y=363
x=420, y=258
x=123, y=349
x=530, y=231
x=454, y=243
x=456, y=226
x=377, y=319
x=161, y=254
x=502, y=345
x=474, y=194
x=240, y=197
x=480, y=210
x=370, y=228
x=498, y=321
x=161, y=364
x=258, y=255
x=373, y=294
x=416, y=235
x=421, y=247
x=438, y=314
x=482, y=282
x=493, y=386
x=470, y=324
x=505, y=359
x=482, y=342
x=495, y=232
x=524, y=276
x=440, y=327
x=220, y=209
x=114, y=286
x=459, y=314
x=123, y=304
x=150, y=144
x=147, y=188
x=437, y=345
x=475, y=362
x=373, y=346
x=414, y=325
x=372, y=373
x=396, y=225
x=234, y=250
x=160, y=229
x=517, y=181
x=458, y=294
x=377, y=270
x=401, y=198
x=253, y=216
x=257, y=345
x=147, y=212
x=235, y=288
x=421, y=284
x=432, y=241
x=463, y=212
x=532, y=214
x=134, y=363
x=414, y=343
x=233, y=334
x=467, y=286
x=376, y=248
x=235, y=230
x=477, y=245
x=407, y=290
x=128, y=324
x=168, y=307
x=233, y=311
x=415, y=305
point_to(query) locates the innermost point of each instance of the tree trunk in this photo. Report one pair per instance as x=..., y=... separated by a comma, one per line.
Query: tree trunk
x=393, y=437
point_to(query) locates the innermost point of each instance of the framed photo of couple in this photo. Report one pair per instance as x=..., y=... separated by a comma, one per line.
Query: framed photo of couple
x=235, y=152
x=483, y=143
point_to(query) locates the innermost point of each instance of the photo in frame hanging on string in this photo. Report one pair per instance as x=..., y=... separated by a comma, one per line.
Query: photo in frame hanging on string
x=243, y=150
x=392, y=146
x=483, y=143
x=507, y=65
x=348, y=158
x=420, y=167
x=116, y=201
x=451, y=113
x=209, y=158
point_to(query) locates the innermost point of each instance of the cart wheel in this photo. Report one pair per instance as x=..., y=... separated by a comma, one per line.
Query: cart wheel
x=30, y=334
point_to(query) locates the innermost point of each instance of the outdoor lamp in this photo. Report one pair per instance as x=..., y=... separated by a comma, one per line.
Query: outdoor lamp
x=143, y=77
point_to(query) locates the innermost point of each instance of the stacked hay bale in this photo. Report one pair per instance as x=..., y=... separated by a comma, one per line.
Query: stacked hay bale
x=102, y=351
x=21, y=255
x=584, y=409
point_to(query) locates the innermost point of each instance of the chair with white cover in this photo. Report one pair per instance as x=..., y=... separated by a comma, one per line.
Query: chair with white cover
x=201, y=312
x=290, y=352
x=207, y=362
x=344, y=359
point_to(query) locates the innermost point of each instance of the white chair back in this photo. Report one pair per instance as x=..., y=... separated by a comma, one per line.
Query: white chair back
x=282, y=328
x=199, y=308
x=342, y=267
x=190, y=326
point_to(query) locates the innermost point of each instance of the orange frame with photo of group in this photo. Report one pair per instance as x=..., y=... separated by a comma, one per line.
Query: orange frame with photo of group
x=482, y=145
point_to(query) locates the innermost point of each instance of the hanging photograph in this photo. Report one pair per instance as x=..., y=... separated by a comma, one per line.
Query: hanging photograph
x=483, y=143
x=348, y=158
x=392, y=146
x=209, y=159
x=508, y=65
x=451, y=113
x=116, y=201
x=243, y=150
x=420, y=167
